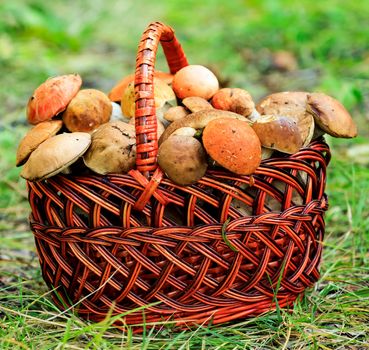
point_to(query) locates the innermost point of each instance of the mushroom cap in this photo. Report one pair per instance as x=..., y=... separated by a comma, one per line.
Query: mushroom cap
x=198, y=120
x=234, y=100
x=195, y=80
x=163, y=94
x=116, y=92
x=54, y=155
x=52, y=97
x=331, y=116
x=183, y=159
x=113, y=149
x=196, y=104
x=87, y=111
x=233, y=144
x=185, y=131
x=35, y=137
x=174, y=113
x=290, y=104
x=279, y=133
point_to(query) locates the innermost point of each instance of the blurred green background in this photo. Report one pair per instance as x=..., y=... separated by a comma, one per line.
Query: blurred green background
x=327, y=48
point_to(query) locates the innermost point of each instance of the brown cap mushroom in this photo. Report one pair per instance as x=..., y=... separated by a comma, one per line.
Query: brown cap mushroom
x=331, y=116
x=196, y=104
x=113, y=149
x=174, y=113
x=52, y=97
x=116, y=92
x=183, y=159
x=54, y=155
x=233, y=144
x=35, y=137
x=195, y=80
x=234, y=100
x=87, y=111
x=279, y=133
x=163, y=94
x=290, y=104
x=198, y=120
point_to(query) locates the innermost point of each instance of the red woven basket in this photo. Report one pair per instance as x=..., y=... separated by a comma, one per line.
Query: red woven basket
x=115, y=243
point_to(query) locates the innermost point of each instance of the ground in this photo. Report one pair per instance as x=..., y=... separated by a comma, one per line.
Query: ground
x=325, y=47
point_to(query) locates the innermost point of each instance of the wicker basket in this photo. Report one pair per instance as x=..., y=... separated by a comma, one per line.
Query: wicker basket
x=225, y=248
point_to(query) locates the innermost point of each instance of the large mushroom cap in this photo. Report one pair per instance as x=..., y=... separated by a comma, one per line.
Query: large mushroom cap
x=52, y=97
x=113, y=149
x=183, y=159
x=55, y=154
x=331, y=116
x=87, y=111
x=234, y=100
x=35, y=137
x=116, y=92
x=233, y=144
x=198, y=120
x=290, y=104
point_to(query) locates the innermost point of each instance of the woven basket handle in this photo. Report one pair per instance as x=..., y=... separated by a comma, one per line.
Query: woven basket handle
x=145, y=116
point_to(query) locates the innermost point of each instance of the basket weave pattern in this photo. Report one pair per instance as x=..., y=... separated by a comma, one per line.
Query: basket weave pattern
x=226, y=247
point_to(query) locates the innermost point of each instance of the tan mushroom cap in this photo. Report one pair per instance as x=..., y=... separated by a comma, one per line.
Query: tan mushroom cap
x=279, y=133
x=331, y=116
x=234, y=100
x=113, y=149
x=55, y=154
x=196, y=104
x=233, y=144
x=199, y=120
x=52, y=97
x=183, y=159
x=163, y=94
x=35, y=137
x=290, y=104
x=175, y=113
x=185, y=131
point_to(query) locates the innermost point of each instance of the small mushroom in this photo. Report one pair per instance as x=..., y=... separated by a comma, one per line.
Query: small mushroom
x=163, y=95
x=233, y=144
x=52, y=97
x=116, y=92
x=290, y=104
x=87, y=111
x=35, y=137
x=279, y=133
x=195, y=80
x=160, y=127
x=199, y=120
x=331, y=116
x=196, y=104
x=175, y=113
x=183, y=159
x=185, y=131
x=54, y=155
x=113, y=149
x=234, y=100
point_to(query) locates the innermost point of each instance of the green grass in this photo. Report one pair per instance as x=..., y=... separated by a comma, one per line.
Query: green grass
x=236, y=39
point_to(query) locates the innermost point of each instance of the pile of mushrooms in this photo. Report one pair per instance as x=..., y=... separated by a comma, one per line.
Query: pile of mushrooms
x=200, y=125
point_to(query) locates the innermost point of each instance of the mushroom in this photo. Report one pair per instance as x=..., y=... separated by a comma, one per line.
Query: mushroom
x=35, y=137
x=52, y=97
x=54, y=155
x=116, y=92
x=163, y=95
x=198, y=120
x=279, y=133
x=266, y=153
x=183, y=159
x=234, y=100
x=87, y=111
x=185, y=131
x=113, y=149
x=195, y=80
x=196, y=104
x=331, y=116
x=116, y=113
x=233, y=144
x=292, y=105
x=175, y=113
x=159, y=126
